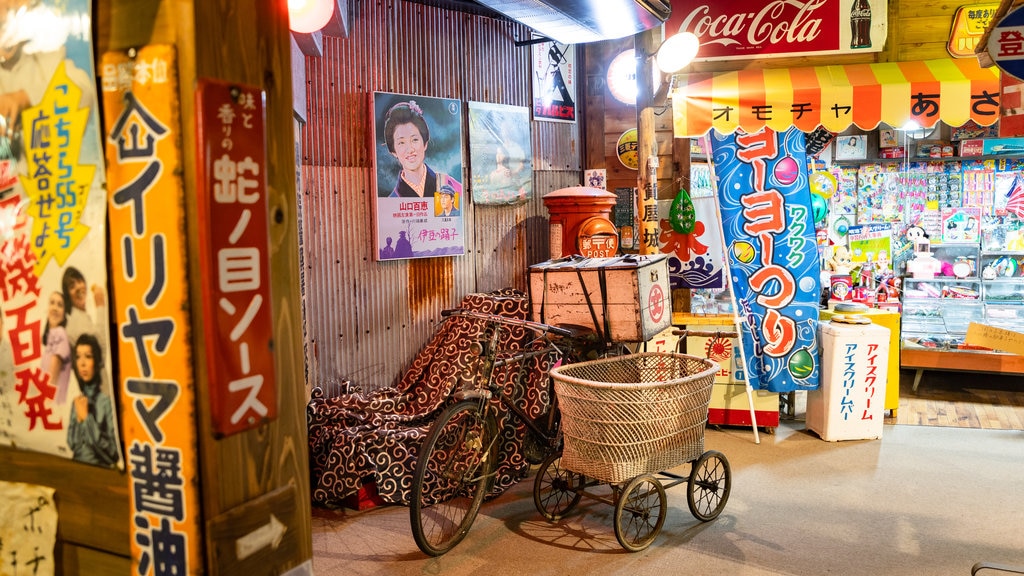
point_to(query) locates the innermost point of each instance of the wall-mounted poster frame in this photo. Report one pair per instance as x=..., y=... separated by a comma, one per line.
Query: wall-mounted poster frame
x=418, y=178
x=554, y=82
x=851, y=147
x=500, y=153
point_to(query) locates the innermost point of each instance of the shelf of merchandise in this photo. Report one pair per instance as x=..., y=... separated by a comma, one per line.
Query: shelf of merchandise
x=942, y=319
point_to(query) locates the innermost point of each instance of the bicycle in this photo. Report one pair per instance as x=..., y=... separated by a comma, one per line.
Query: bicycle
x=458, y=458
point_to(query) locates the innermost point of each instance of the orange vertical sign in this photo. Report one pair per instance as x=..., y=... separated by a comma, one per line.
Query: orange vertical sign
x=148, y=252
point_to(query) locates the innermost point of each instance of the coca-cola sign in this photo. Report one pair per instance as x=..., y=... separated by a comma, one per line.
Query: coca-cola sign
x=758, y=29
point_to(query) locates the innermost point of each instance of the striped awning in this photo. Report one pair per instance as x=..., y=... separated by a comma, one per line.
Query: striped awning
x=951, y=90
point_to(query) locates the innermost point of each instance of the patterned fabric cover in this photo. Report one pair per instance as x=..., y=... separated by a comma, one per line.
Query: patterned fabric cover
x=356, y=437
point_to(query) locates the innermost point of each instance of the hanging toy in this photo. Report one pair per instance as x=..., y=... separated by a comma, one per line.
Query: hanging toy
x=682, y=216
x=787, y=170
x=819, y=208
x=823, y=184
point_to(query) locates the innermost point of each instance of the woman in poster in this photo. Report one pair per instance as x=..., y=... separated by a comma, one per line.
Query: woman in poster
x=407, y=136
x=91, y=434
x=56, y=360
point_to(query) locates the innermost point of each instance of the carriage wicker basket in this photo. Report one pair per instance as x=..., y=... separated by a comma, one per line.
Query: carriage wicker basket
x=631, y=415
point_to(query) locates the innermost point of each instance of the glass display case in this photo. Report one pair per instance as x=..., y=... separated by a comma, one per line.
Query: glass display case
x=1003, y=288
x=938, y=307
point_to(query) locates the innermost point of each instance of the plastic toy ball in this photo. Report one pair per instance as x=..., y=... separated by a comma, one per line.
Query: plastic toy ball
x=823, y=184
x=819, y=208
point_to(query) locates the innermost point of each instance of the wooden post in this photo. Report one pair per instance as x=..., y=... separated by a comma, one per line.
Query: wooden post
x=644, y=45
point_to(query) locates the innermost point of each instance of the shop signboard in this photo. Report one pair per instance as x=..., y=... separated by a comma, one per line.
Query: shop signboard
x=969, y=24
x=148, y=248
x=1006, y=43
x=234, y=256
x=757, y=29
x=53, y=248
x=696, y=258
x=765, y=203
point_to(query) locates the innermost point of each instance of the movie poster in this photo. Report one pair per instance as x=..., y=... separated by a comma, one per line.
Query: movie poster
x=418, y=178
x=500, y=153
x=554, y=82
x=56, y=391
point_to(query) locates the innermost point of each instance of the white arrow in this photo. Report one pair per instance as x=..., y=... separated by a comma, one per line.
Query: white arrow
x=270, y=533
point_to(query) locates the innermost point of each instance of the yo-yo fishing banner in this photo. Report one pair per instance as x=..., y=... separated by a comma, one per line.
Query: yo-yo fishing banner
x=773, y=260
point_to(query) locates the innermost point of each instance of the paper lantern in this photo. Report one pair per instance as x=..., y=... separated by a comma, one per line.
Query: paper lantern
x=308, y=16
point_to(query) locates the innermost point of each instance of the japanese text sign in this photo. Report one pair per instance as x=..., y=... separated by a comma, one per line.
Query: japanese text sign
x=148, y=247
x=233, y=232
x=773, y=257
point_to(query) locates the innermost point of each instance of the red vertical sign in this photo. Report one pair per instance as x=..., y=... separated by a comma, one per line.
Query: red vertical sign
x=233, y=255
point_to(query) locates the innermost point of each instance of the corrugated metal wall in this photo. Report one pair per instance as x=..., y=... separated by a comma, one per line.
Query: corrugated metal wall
x=366, y=320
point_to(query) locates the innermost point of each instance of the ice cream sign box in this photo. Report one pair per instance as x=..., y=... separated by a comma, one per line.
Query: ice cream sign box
x=627, y=297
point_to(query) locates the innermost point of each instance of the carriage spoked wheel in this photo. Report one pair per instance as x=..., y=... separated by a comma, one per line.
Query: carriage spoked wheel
x=556, y=490
x=640, y=512
x=709, y=485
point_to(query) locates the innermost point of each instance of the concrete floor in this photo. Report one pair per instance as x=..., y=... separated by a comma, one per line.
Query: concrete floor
x=921, y=500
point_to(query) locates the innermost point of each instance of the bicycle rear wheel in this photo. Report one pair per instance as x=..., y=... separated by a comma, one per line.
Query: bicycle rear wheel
x=452, y=475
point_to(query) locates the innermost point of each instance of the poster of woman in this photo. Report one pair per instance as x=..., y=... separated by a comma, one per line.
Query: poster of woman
x=419, y=204
x=499, y=153
x=53, y=209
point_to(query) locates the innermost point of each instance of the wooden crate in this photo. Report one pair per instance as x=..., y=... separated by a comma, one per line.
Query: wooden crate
x=632, y=291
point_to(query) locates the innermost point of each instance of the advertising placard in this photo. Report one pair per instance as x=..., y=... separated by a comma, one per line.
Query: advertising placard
x=774, y=272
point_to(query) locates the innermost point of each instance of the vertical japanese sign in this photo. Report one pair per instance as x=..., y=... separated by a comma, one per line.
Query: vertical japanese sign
x=233, y=232
x=28, y=529
x=419, y=202
x=53, y=273
x=148, y=250
x=554, y=82
x=500, y=153
x=773, y=257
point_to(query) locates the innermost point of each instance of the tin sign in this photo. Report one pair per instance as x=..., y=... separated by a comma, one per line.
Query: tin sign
x=233, y=228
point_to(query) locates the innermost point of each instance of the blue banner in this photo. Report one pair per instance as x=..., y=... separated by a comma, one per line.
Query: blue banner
x=773, y=263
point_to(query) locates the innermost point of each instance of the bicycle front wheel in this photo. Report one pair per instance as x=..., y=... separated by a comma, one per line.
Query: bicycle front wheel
x=453, y=472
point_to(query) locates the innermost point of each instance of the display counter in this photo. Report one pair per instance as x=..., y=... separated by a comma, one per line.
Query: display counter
x=923, y=359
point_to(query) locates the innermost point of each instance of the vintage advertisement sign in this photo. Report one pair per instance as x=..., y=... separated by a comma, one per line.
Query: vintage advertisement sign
x=969, y=24
x=554, y=82
x=773, y=257
x=500, y=153
x=1006, y=43
x=759, y=29
x=148, y=250
x=419, y=202
x=57, y=396
x=233, y=232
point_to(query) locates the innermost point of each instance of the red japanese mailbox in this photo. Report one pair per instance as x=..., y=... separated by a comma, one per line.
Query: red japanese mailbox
x=580, y=222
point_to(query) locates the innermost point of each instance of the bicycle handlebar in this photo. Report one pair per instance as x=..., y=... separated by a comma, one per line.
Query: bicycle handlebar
x=537, y=326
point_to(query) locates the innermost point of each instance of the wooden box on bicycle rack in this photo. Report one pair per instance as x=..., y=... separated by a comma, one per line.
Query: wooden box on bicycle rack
x=624, y=298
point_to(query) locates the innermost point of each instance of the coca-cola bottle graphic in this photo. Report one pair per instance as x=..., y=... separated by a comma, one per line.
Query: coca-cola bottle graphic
x=860, y=24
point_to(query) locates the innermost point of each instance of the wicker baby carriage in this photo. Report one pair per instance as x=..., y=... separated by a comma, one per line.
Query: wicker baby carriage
x=626, y=422
x=635, y=414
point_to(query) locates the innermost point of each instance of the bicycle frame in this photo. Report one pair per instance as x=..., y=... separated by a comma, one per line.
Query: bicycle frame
x=484, y=388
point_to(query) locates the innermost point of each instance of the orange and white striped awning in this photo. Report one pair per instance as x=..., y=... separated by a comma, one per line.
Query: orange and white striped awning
x=951, y=90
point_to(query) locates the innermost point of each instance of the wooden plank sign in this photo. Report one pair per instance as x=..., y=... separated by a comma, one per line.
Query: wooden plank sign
x=233, y=232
